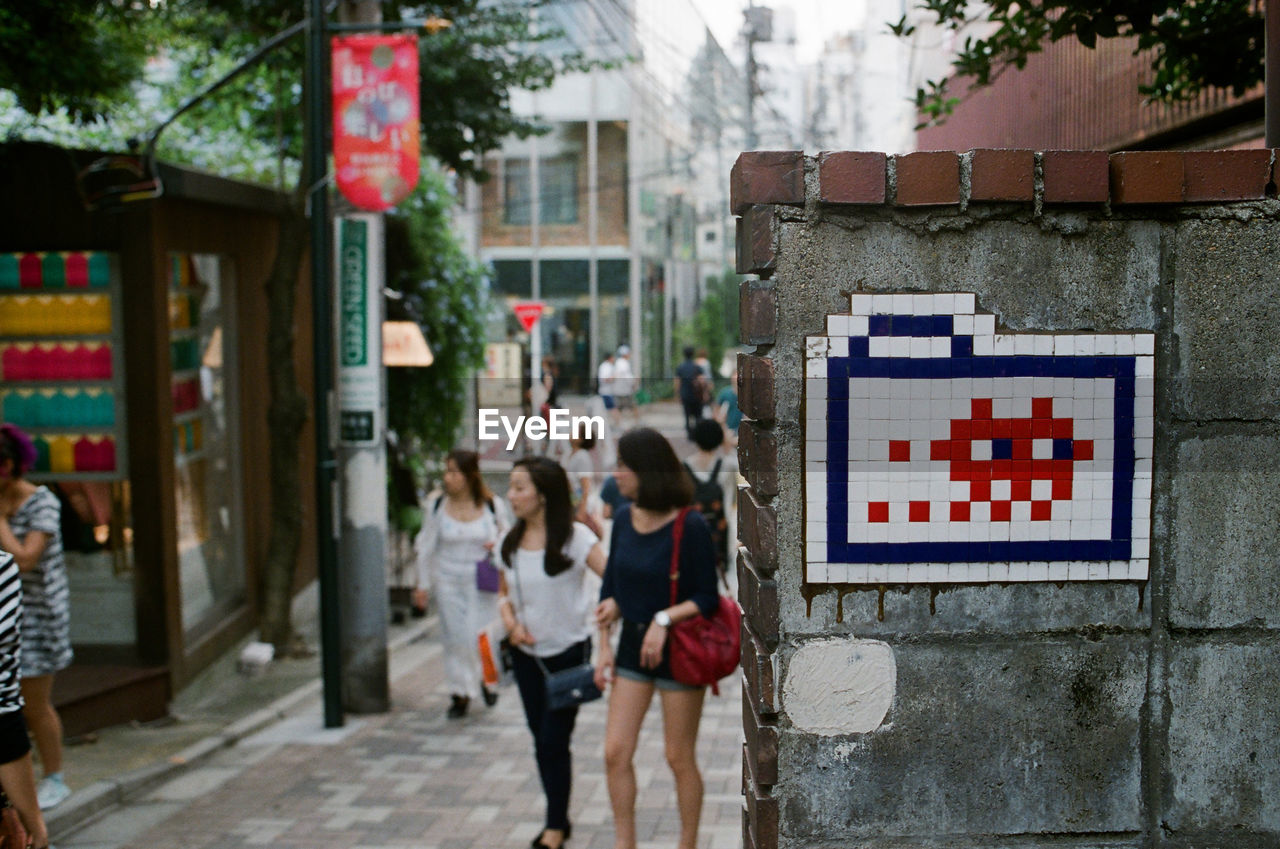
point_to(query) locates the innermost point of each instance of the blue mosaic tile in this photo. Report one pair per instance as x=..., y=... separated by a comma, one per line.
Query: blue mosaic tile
x=941, y=452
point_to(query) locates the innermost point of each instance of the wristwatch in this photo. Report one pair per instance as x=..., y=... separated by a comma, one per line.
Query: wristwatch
x=662, y=618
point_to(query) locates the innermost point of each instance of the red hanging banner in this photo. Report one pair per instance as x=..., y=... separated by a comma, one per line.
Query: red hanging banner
x=375, y=118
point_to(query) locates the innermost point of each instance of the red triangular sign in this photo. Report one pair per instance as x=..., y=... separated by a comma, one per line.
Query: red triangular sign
x=528, y=312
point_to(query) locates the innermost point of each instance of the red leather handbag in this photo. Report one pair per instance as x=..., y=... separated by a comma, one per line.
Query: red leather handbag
x=703, y=649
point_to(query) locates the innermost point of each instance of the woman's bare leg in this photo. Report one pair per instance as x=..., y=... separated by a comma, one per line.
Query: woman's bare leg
x=43, y=720
x=681, y=713
x=628, y=703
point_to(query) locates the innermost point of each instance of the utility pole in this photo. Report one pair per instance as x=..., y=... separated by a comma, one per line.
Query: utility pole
x=750, y=31
x=362, y=455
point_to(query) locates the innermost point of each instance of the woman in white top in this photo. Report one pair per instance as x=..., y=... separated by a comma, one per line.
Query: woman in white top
x=581, y=469
x=544, y=607
x=459, y=530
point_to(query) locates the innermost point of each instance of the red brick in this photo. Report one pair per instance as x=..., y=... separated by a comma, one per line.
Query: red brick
x=755, y=248
x=758, y=531
x=762, y=745
x=766, y=176
x=757, y=312
x=762, y=818
x=758, y=596
x=851, y=177
x=748, y=839
x=1002, y=175
x=758, y=458
x=1226, y=175
x=758, y=673
x=755, y=387
x=1076, y=176
x=1146, y=176
x=928, y=178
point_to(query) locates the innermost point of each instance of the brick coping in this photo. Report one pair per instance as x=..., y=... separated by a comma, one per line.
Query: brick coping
x=949, y=178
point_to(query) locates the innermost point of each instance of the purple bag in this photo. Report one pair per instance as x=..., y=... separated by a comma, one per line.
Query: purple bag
x=486, y=575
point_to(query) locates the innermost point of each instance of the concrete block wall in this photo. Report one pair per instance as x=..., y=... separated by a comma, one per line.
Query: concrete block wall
x=1082, y=714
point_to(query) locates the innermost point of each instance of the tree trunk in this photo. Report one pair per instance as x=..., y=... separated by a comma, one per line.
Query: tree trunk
x=286, y=416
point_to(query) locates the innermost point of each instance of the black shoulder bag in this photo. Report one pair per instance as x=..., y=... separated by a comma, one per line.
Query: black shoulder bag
x=570, y=687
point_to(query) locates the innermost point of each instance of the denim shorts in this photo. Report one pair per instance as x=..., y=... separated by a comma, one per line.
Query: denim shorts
x=628, y=660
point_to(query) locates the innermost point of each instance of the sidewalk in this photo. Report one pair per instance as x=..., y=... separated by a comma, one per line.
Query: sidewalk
x=220, y=707
x=411, y=779
x=246, y=762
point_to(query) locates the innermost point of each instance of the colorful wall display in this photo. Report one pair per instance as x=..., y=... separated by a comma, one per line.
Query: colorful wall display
x=940, y=451
x=61, y=378
x=184, y=358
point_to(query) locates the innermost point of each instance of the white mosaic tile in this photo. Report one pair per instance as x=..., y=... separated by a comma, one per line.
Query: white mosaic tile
x=940, y=451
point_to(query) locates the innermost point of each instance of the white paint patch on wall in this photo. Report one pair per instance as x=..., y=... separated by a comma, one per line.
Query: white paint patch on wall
x=836, y=686
x=362, y=473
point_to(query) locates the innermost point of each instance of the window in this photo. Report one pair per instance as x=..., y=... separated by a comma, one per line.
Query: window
x=558, y=201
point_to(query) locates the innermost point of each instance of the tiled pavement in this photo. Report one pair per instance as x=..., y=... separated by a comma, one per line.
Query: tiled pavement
x=411, y=779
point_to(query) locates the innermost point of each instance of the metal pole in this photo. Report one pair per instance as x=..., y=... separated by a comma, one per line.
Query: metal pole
x=316, y=176
x=535, y=269
x=1272, y=96
x=593, y=232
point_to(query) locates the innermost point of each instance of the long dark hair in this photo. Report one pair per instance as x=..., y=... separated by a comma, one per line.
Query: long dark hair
x=551, y=482
x=664, y=483
x=468, y=463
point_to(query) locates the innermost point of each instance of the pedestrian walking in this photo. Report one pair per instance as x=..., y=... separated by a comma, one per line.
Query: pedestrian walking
x=689, y=390
x=460, y=528
x=711, y=472
x=30, y=530
x=727, y=412
x=581, y=469
x=545, y=610
x=625, y=384
x=637, y=595
x=17, y=778
x=604, y=384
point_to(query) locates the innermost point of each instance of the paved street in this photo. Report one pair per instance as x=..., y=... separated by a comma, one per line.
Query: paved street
x=412, y=779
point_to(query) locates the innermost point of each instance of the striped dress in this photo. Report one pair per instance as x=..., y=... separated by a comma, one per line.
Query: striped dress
x=46, y=607
x=10, y=627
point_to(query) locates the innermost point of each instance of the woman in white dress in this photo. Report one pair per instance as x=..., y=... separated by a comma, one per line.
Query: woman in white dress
x=459, y=530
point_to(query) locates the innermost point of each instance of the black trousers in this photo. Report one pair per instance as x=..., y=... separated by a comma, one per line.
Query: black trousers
x=692, y=414
x=551, y=729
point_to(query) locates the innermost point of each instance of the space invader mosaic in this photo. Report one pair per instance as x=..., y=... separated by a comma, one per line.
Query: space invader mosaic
x=940, y=451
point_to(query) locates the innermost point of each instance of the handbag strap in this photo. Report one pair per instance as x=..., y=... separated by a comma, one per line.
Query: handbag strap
x=677, y=534
x=515, y=572
x=546, y=673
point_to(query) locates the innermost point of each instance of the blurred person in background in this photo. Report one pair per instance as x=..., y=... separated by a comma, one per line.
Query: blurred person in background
x=30, y=530
x=460, y=528
x=17, y=778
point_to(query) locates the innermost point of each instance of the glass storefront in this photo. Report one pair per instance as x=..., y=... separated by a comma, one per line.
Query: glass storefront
x=566, y=326
x=202, y=349
x=62, y=381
